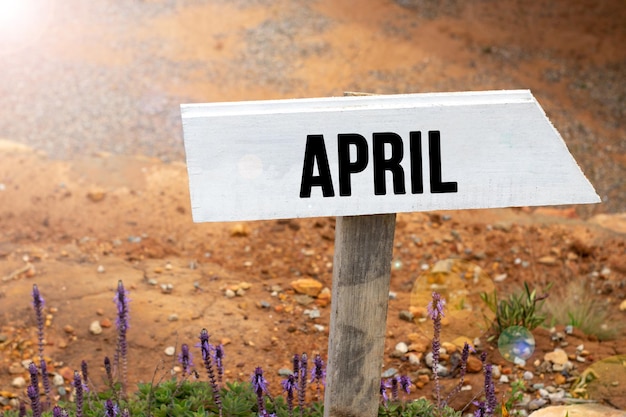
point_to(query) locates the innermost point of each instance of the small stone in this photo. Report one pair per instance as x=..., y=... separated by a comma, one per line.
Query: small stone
x=68, y=329
x=170, y=350
x=558, y=356
x=528, y=375
x=406, y=316
x=442, y=370
x=495, y=371
x=95, y=327
x=605, y=272
x=466, y=388
x=449, y=347
x=393, y=295
x=106, y=323
x=285, y=372
x=548, y=260
x=474, y=365
x=153, y=282
x=167, y=288
x=172, y=317
x=559, y=379
x=500, y=277
x=308, y=286
x=264, y=304
x=96, y=194
x=100, y=269
x=519, y=362
x=537, y=404
x=229, y=293
x=313, y=313
x=240, y=292
x=504, y=379
x=57, y=380
x=389, y=373
x=414, y=359
x=19, y=382
x=319, y=328
x=402, y=347
x=622, y=306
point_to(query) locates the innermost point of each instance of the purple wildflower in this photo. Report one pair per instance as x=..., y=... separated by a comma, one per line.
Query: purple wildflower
x=85, y=374
x=78, y=391
x=45, y=381
x=405, y=383
x=318, y=374
x=38, y=304
x=58, y=412
x=296, y=367
x=384, y=384
x=33, y=394
x=185, y=358
x=394, y=381
x=304, y=367
x=219, y=362
x=436, y=306
x=206, y=347
x=109, y=372
x=259, y=386
x=22, y=410
x=289, y=386
x=490, y=395
x=435, y=312
x=34, y=375
x=111, y=409
x=121, y=300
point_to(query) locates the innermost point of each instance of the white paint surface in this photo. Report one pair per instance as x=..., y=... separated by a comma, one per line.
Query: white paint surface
x=245, y=159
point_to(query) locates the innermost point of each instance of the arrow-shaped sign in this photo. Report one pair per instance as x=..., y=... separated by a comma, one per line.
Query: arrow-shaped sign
x=376, y=154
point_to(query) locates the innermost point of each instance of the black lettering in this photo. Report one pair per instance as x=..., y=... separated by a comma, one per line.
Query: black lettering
x=315, y=151
x=417, y=175
x=346, y=167
x=434, y=154
x=391, y=164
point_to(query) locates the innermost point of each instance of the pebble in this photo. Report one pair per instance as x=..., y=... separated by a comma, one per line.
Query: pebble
x=389, y=373
x=57, y=380
x=557, y=356
x=587, y=410
x=393, y=295
x=414, y=359
x=19, y=382
x=474, y=365
x=313, y=313
x=153, y=282
x=537, y=403
x=528, y=375
x=95, y=327
x=406, y=315
x=172, y=317
x=519, y=361
x=285, y=372
x=504, y=379
x=319, y=328
x=402, y=347
x=229, y=293
x=622, y=306
x=100, y=269
x=170, y=350
x=308, y=286
x=167, y=288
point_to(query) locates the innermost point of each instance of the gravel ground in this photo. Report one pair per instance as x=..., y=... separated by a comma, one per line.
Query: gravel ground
x=69, y=107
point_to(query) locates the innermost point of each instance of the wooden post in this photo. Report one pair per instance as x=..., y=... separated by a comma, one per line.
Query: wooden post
x=360, y=295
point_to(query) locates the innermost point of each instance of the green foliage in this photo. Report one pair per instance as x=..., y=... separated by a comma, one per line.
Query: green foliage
x=517, y=394
x=522, y=308
x=417, y=408
x=578, y=307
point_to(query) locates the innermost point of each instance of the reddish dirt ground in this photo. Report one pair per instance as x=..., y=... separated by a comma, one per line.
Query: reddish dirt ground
x=77, y=222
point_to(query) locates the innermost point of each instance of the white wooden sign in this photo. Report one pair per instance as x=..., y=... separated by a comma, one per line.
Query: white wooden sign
x=376, y=154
